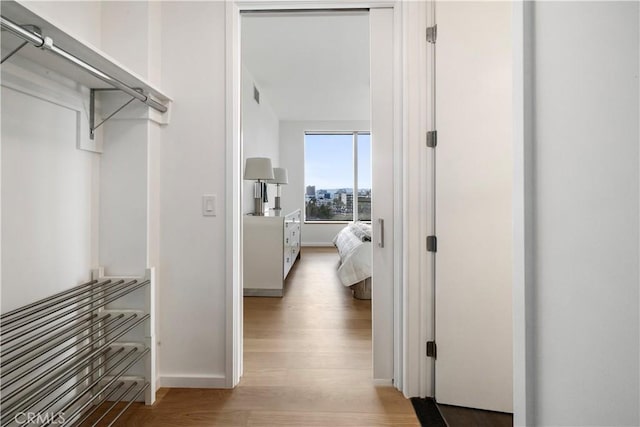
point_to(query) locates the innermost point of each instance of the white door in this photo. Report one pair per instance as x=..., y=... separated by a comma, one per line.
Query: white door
x=473, y=205
x=381, y=41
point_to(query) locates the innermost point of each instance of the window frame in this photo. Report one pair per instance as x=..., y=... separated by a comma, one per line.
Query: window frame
x=354, y=144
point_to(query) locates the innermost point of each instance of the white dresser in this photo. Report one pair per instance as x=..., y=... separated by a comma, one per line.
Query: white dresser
x=271, y=247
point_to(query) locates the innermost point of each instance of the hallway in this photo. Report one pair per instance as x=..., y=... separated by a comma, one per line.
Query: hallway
x=307, y=362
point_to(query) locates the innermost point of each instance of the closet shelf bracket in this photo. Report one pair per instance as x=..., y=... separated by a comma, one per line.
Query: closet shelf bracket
x=32, y=28
x=92, y=110
x=13, y=52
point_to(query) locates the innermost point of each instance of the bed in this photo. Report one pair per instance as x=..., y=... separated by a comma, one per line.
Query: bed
x=354, y=247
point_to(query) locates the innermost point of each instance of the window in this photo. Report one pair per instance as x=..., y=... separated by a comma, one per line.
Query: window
x=337, y=175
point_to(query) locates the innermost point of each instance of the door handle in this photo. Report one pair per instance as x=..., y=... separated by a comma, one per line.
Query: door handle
x=380, y=233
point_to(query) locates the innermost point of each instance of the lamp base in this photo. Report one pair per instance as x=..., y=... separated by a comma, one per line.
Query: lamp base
x=277, y=203
x=258, y=207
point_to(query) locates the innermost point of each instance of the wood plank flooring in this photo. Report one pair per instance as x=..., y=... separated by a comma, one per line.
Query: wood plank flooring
x=307, y=362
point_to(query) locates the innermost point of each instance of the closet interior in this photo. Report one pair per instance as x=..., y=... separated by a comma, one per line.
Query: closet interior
x=80, y=218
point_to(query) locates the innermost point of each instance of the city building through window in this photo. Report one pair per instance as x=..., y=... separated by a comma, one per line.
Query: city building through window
x=337, y=175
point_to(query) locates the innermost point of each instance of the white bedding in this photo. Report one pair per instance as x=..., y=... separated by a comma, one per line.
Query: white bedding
x=355, y=257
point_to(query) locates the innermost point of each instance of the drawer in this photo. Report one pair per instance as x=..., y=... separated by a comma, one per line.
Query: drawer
x=288, y=261
x=295, y=217
x=292, y=232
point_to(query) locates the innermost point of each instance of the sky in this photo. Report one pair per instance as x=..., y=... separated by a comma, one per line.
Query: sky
x=329, y=161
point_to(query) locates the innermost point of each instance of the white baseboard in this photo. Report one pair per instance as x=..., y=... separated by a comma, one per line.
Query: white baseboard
x=382, y=381
x=248, y=292
x=175, y=381
x=317, y=244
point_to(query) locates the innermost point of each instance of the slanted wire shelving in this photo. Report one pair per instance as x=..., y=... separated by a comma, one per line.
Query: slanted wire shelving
x=70, y=358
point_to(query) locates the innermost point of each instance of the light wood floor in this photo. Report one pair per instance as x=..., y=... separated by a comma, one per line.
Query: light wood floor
x=307, y=362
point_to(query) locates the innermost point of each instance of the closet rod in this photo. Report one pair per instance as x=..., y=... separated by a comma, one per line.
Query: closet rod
x=46, y=43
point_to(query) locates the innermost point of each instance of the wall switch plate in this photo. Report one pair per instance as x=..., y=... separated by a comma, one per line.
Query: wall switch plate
x=209, y=207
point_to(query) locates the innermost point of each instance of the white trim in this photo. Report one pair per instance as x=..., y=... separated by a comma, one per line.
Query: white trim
x=195, y=381
x=233, y=188
x=233, y=273
x=417, y=368
x=428, y=262
x=382, y=381
x=311, y=4
x=522, y=211
x=398, y=197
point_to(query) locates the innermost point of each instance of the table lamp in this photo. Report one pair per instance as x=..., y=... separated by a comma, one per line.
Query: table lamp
x=280, y=177
x=260, y=170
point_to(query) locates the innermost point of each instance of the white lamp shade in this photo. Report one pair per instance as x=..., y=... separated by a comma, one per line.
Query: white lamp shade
x=258, y=168
x=280, y=176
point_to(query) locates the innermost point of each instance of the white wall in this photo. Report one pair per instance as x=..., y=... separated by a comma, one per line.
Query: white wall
x=584, y=133
x=49, y=188
x=138, y=39
x=123, y=198
x=192, y=300
x=80, y=18
x=126, y=184
x=292, y=158
x=260, y=135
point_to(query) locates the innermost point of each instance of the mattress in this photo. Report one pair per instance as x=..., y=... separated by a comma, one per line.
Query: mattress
x=355, y=255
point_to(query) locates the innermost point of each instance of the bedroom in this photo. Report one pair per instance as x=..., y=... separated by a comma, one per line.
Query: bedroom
x=307, y=115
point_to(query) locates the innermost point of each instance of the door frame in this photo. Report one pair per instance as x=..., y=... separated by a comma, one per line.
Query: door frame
x=523, y=212
x=405, y=373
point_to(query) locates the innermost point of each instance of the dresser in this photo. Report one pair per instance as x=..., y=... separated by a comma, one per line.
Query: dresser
x=271, y=247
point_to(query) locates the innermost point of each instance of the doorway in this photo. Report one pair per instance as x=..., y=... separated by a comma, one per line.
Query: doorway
x=381, y=124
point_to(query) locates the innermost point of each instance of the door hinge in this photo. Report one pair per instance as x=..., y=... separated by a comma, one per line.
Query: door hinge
x=432, y=244
x=432, y=34
x=432, y=138
x=431, y=349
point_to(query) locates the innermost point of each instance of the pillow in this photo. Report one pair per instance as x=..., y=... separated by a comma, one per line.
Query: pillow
x=361, y=230
x=366, y=228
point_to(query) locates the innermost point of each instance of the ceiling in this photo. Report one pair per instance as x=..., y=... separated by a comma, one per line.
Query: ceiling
x=310, y=65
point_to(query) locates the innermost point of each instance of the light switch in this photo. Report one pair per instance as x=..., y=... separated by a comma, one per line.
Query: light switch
x=209, y=205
